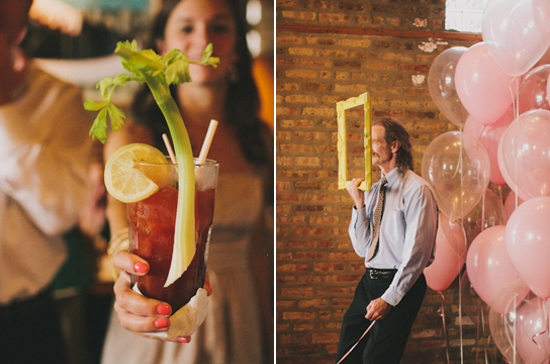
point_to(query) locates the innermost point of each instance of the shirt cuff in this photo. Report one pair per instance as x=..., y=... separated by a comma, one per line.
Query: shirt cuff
x=392, y=297
x=356, y=214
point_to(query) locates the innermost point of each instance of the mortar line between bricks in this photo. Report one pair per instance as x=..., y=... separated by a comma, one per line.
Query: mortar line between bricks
x=375, y=31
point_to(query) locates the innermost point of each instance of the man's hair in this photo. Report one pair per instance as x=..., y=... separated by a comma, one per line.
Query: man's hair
x=396, y=132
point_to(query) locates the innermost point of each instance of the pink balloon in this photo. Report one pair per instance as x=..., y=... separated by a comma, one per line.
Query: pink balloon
x=533, y=342
x=516, y=32
x=473, y=128
x=526, y=152
x=528, y=243
x=502, y=168
x=483, y=88
x=488, y=265
x=489, y=136
x=447, y=263
x=533, y=91
x=455, y=235
x=510, y=203
x=442, y=85
x=457, y=168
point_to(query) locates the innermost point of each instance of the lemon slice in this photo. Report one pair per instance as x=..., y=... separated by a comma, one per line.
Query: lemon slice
x=124, y=180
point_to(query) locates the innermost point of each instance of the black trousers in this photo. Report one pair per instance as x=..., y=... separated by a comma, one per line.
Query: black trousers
x=385, y=342
x=30, y=332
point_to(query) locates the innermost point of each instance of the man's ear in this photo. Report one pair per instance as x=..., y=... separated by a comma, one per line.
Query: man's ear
x=395, y=146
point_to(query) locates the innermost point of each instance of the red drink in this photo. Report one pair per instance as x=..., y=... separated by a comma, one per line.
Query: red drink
x=152, y=225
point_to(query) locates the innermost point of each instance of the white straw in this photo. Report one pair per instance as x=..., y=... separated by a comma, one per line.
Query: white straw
x=169, y=147
x=207, y=141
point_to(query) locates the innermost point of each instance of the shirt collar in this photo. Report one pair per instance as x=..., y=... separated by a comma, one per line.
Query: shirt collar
x=392, y=176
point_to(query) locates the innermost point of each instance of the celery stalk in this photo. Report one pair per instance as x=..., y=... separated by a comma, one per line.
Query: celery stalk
x=159, y=73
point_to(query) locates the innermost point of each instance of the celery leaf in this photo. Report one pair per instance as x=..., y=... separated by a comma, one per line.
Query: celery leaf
x=116, y=115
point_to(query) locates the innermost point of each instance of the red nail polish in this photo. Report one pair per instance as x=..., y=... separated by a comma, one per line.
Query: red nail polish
x=162, y=323
x=140, y=267
x=183, y=339
x=164, y=310
x=207, y=287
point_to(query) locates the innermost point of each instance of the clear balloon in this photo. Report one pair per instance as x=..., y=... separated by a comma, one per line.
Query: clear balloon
x=441, y=83
x=488, y=212
x=526, y=152
x=457, y=168
x=488, y=265
x=516, y=32
x=483, y=88
x=533, y=91
x=503, y=319
x=528, y=243
x=447, y=263
x=533, y=342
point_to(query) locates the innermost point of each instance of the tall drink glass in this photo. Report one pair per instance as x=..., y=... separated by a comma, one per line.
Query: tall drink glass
x=151, y=225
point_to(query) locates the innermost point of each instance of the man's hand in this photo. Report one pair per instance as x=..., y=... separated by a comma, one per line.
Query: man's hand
x=356, y=194
x=378, y=309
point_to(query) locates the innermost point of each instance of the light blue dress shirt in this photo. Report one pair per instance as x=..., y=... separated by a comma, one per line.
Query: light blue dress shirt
x=407, y=231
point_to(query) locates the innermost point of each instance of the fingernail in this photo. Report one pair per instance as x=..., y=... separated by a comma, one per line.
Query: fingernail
x=207, y=286
x=183, y=339
x=140, y=267
x=164, y=310
x=162, y=323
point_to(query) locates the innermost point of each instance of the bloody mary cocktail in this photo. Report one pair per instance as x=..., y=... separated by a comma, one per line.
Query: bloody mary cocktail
x=152, y=224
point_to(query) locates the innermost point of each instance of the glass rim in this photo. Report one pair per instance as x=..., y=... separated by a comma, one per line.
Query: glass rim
x=207, y=163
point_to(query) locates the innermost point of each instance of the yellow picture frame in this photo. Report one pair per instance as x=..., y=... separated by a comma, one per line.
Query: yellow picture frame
x=341, y=107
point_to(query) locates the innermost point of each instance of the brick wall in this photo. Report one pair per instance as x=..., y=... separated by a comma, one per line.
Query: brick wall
x=317, y=269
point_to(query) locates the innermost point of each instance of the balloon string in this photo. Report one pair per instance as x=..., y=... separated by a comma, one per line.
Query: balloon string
x=441, y=313
x=459, y=168
x=545, y=329
x=478, y=330
x=459, y=165
x=514, y=95
x=460, y=319
x=509, y=306
x=483, y=211
x=516, y=113
x=515, y=108
x=500, y=194
x=482, y=319
x=461, y=223
x=515, y=328
x=483, y=198
x=486, y=345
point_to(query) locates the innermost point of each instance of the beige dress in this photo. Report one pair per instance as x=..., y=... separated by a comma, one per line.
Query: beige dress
x=231, y=332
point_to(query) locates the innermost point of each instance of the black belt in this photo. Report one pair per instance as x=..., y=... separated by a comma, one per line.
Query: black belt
x=381, y=273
